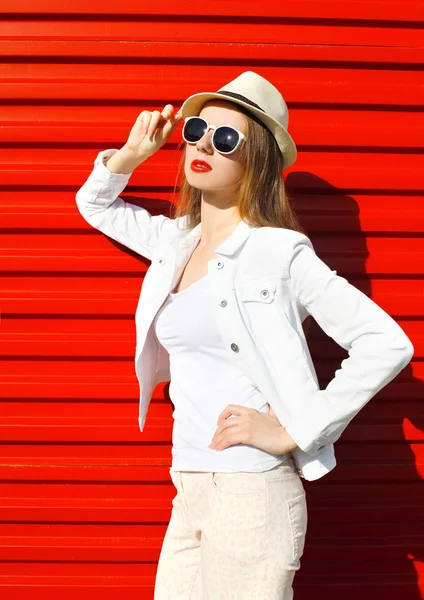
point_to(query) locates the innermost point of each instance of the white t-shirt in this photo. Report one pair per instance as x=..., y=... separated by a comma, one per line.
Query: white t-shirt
x=204, y=380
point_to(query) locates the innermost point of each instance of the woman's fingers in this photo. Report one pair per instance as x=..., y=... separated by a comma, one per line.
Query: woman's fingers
x=167, y=111
x=159, y=118
x=154, y=120
x=149, y=120
x=152, y=130
x=144, y=120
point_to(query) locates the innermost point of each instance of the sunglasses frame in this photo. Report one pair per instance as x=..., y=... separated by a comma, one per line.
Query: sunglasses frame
x=241, y=135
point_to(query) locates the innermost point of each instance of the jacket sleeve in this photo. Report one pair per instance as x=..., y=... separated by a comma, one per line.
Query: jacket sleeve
x=378, y=347
x=99, y=203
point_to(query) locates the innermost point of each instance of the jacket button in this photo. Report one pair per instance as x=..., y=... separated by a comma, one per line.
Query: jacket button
x=264, y=293
x=219, y=264
x=234, y=347
x=223, y=303
x=161, y=261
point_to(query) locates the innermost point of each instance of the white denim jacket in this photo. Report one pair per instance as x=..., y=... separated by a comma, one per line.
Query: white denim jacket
x=266, y=280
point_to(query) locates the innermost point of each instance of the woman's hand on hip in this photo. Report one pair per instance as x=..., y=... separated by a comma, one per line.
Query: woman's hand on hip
x=252, y=427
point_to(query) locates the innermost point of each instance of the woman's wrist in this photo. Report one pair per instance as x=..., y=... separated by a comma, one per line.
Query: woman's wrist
x=124, y=161
x=287, y=442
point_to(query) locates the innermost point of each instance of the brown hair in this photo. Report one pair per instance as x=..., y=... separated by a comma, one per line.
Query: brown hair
x=262, y=197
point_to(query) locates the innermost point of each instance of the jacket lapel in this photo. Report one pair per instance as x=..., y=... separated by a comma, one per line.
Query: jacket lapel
x=184, y=244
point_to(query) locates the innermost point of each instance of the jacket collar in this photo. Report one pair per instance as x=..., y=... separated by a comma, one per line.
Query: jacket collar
x=230, y=245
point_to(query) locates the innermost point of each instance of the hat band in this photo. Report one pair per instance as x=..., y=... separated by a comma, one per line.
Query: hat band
x=240, y=97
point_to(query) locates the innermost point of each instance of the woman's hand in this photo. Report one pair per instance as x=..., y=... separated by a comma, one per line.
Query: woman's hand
x=152, y=130
x=149, y=133
x=252, y=427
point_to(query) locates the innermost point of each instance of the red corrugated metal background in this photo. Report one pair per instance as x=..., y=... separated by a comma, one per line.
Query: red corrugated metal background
x=85, y=498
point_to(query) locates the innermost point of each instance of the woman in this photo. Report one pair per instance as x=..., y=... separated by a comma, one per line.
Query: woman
x=244, y=273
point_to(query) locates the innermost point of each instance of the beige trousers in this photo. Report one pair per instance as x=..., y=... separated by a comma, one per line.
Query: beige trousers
x=233, y=536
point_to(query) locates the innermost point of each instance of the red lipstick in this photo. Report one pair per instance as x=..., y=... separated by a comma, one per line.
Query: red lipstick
x=200, y=166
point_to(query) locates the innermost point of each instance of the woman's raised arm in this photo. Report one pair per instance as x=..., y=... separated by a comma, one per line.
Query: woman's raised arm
x=98, y=199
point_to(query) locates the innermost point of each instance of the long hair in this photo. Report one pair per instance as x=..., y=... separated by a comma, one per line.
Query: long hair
x=262, y=198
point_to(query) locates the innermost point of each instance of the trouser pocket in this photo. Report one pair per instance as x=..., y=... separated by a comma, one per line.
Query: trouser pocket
x=287, y=519
x=297, y=510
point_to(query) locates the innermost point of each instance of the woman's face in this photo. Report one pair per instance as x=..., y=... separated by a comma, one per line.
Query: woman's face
x=226, y=171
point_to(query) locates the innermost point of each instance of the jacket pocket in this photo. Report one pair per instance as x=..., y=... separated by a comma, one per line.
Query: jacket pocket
x=262, y=291
x=263, y=306
x=267, y=319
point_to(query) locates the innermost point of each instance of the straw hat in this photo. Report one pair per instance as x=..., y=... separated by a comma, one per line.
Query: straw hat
x=261, y=98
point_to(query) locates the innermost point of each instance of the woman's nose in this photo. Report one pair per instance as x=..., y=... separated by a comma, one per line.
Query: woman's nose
x=205, y=143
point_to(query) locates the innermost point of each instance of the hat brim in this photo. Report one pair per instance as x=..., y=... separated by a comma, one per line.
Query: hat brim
x=193, y=105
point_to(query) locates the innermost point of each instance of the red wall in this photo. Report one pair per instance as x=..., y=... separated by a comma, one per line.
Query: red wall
x=85, y=498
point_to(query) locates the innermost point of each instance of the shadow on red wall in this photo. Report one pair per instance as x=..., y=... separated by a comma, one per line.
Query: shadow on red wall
x=365, y=531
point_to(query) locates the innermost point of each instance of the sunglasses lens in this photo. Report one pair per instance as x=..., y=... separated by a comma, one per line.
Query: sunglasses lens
x=225, y=139
x=194, y=129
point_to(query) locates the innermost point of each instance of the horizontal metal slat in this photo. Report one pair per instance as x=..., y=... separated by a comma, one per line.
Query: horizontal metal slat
x=145, y=548
x=335, y=213
x=72, y=83
x=116, y=338
x=308, y=126
x=319, y=570
x=345, y=170
x=382, y=419
x=354, y=256
x=283, y=41
x=379, y=411
x=356, y=9
x=159, y=511
x=97, y=296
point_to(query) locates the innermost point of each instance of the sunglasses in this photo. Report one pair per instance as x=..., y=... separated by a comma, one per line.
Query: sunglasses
x=225, y=139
